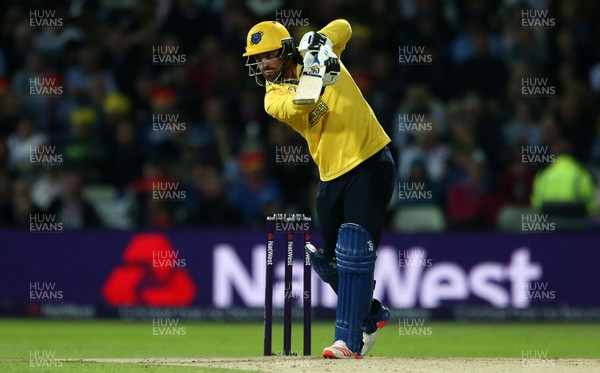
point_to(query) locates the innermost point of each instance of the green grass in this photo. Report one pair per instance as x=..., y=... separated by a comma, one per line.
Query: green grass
x=117, y=339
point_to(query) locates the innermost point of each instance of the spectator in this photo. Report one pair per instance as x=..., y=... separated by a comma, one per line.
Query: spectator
x=575, y=120
x=47, y=187
x=21, y=207
x=516, y=182
x=565, y=187
x=151, y=211
x=418, y=102
x=22, y=144
x=385, y=90
x=210, y=206
x=126, y=158
x=484, y=73
x=472, y=204
x=211, y=135
x=550, y=130
x=255, y=194
x=71, y=208
x=157, y=214
x=84, y=149
x=479, y=114
x=462, y=144
x=523, y=45
x=80, y=78
x=11, y=112
x=54, y=41
x=422, y=187
x=566, y=50
x=34, y=69
x=522, y=129
x=469, y=44
x=429, y=150
x=154, y=129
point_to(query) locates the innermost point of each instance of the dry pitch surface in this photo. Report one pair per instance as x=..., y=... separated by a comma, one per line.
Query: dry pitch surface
x=372, y=364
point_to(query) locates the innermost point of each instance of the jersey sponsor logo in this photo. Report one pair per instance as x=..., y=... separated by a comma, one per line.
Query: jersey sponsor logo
x=256, y=37
x=317, y=113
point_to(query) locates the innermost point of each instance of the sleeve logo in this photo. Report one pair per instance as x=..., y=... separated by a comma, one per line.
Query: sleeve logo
x=317, y=113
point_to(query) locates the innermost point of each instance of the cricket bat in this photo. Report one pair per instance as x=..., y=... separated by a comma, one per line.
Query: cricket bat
x=309, y=85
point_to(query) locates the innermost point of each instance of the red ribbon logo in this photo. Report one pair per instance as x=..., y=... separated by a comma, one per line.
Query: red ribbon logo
x=152, y=274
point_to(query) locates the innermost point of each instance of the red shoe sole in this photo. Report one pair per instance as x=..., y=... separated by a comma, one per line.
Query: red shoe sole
x=329, y=355
x=381, y=324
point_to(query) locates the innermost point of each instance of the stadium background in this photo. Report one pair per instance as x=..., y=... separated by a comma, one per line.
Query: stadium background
x=120, y=82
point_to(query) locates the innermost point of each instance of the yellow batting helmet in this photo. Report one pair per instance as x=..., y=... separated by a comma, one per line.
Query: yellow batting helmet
x=265, y=37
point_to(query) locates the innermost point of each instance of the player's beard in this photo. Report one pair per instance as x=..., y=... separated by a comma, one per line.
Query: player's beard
x=286, y=73
x=272, y=75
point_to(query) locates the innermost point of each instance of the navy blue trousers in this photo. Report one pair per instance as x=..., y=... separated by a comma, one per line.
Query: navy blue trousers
x=360, y=196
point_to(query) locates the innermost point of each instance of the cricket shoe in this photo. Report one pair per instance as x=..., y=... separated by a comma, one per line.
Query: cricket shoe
x=339, y=350
x=376, y=321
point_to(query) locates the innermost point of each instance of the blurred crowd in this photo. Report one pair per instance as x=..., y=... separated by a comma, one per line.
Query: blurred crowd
x=140, y=114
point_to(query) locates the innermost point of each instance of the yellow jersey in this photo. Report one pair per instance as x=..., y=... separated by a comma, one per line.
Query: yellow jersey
x=341, y=129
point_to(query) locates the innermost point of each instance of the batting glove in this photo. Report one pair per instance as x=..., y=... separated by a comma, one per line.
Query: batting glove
x=313, y=41
x=332, y=71
x=325, y=57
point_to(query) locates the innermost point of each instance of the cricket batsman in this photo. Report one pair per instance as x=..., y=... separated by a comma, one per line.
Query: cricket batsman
x=357, y=172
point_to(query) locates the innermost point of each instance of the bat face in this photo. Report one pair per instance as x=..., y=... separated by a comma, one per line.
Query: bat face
x=310, y=85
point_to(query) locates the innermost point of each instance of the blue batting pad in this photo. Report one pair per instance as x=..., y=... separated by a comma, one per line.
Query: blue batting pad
x=325, y=267
x=355, y=256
